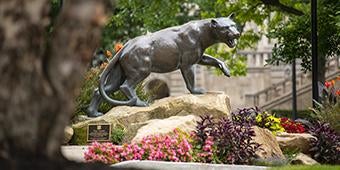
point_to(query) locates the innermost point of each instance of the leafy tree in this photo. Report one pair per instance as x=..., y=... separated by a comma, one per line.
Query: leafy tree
x=264, y=13
x=294, y=37
x=135, y=17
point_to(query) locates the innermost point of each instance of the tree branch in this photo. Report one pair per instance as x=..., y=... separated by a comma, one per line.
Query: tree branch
x=282, y=7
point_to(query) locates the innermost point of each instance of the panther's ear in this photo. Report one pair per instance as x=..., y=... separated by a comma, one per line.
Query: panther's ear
x=231, y=16
x=213, y=23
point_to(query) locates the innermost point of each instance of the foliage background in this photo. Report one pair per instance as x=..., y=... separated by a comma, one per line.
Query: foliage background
x=294, y=36
x=286, y=21
x=133, y=18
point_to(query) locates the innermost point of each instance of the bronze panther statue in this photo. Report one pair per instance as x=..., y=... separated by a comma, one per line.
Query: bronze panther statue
x=179, y=47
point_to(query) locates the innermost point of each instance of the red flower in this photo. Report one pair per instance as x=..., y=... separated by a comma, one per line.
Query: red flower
x=291, y=126
x=328, y=84
x=337, y=92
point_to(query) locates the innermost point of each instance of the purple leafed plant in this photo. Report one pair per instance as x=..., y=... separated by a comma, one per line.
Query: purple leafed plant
x=232, y=140
x=326, y=149
x=204, y=129
x=246, y=115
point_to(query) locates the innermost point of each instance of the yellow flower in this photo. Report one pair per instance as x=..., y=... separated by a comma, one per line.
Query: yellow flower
x=108, y=53
x=258, y=118
x=103, y=66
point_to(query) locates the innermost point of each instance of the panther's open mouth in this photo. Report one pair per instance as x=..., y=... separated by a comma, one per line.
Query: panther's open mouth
x=231, y=43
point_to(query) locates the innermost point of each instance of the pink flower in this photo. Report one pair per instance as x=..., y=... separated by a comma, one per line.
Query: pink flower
x=206, y=147
x=154, y=147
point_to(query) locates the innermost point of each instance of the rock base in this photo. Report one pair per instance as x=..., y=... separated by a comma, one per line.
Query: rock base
x=135, y=118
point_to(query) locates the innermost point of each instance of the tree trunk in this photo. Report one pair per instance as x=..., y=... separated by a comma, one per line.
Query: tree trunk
x=38, y=81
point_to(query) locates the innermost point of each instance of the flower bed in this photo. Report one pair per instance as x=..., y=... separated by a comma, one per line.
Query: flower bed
x=167, y=148
x=214, y=141
x=224, y=140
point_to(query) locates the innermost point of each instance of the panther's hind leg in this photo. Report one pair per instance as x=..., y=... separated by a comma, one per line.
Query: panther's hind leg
x=112, y=84
x=128, y=88
x=136, y=71
x=92, y=110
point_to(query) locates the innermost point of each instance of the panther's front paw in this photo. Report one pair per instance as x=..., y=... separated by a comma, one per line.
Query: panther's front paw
x=226, y=72
x=197, y=91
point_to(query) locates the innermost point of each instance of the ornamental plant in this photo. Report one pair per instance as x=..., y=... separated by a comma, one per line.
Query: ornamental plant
x=329, y=94
x=205, y=152
x=326, y=149
x=224, y=141
x=167, y=148
x=118, y=47
x=269, y=121
x=174, y=147
x=202, y=140
x=246, y=115
x=234, y=142
x=328, y=109
x=110, y=154
x=291, y=126
x=254, y=116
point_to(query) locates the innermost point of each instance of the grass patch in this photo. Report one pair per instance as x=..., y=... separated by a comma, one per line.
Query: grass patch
x=307, y=167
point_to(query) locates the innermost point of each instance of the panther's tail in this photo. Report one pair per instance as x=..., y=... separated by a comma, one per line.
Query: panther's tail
x=104, y=77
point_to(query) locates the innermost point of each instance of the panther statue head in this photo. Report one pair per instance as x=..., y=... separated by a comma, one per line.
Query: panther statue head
x=225, y=30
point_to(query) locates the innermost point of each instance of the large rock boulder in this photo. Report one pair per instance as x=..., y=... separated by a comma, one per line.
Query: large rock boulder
x=293, y=141
x=166, y=126
x=270, y=148
x=132, y=118
x=68, y=133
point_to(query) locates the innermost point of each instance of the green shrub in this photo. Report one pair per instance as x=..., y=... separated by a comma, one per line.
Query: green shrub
x=79, y=137
x=117, y=134
x=303, y=114
x=330, y=114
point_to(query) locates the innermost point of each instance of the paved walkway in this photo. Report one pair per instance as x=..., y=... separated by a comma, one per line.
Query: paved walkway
x=162, y=165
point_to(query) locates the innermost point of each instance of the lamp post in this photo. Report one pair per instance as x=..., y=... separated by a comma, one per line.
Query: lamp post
x=314, y=52
x=294, y=105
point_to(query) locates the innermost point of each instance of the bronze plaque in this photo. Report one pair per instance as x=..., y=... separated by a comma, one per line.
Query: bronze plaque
x=99, y=132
